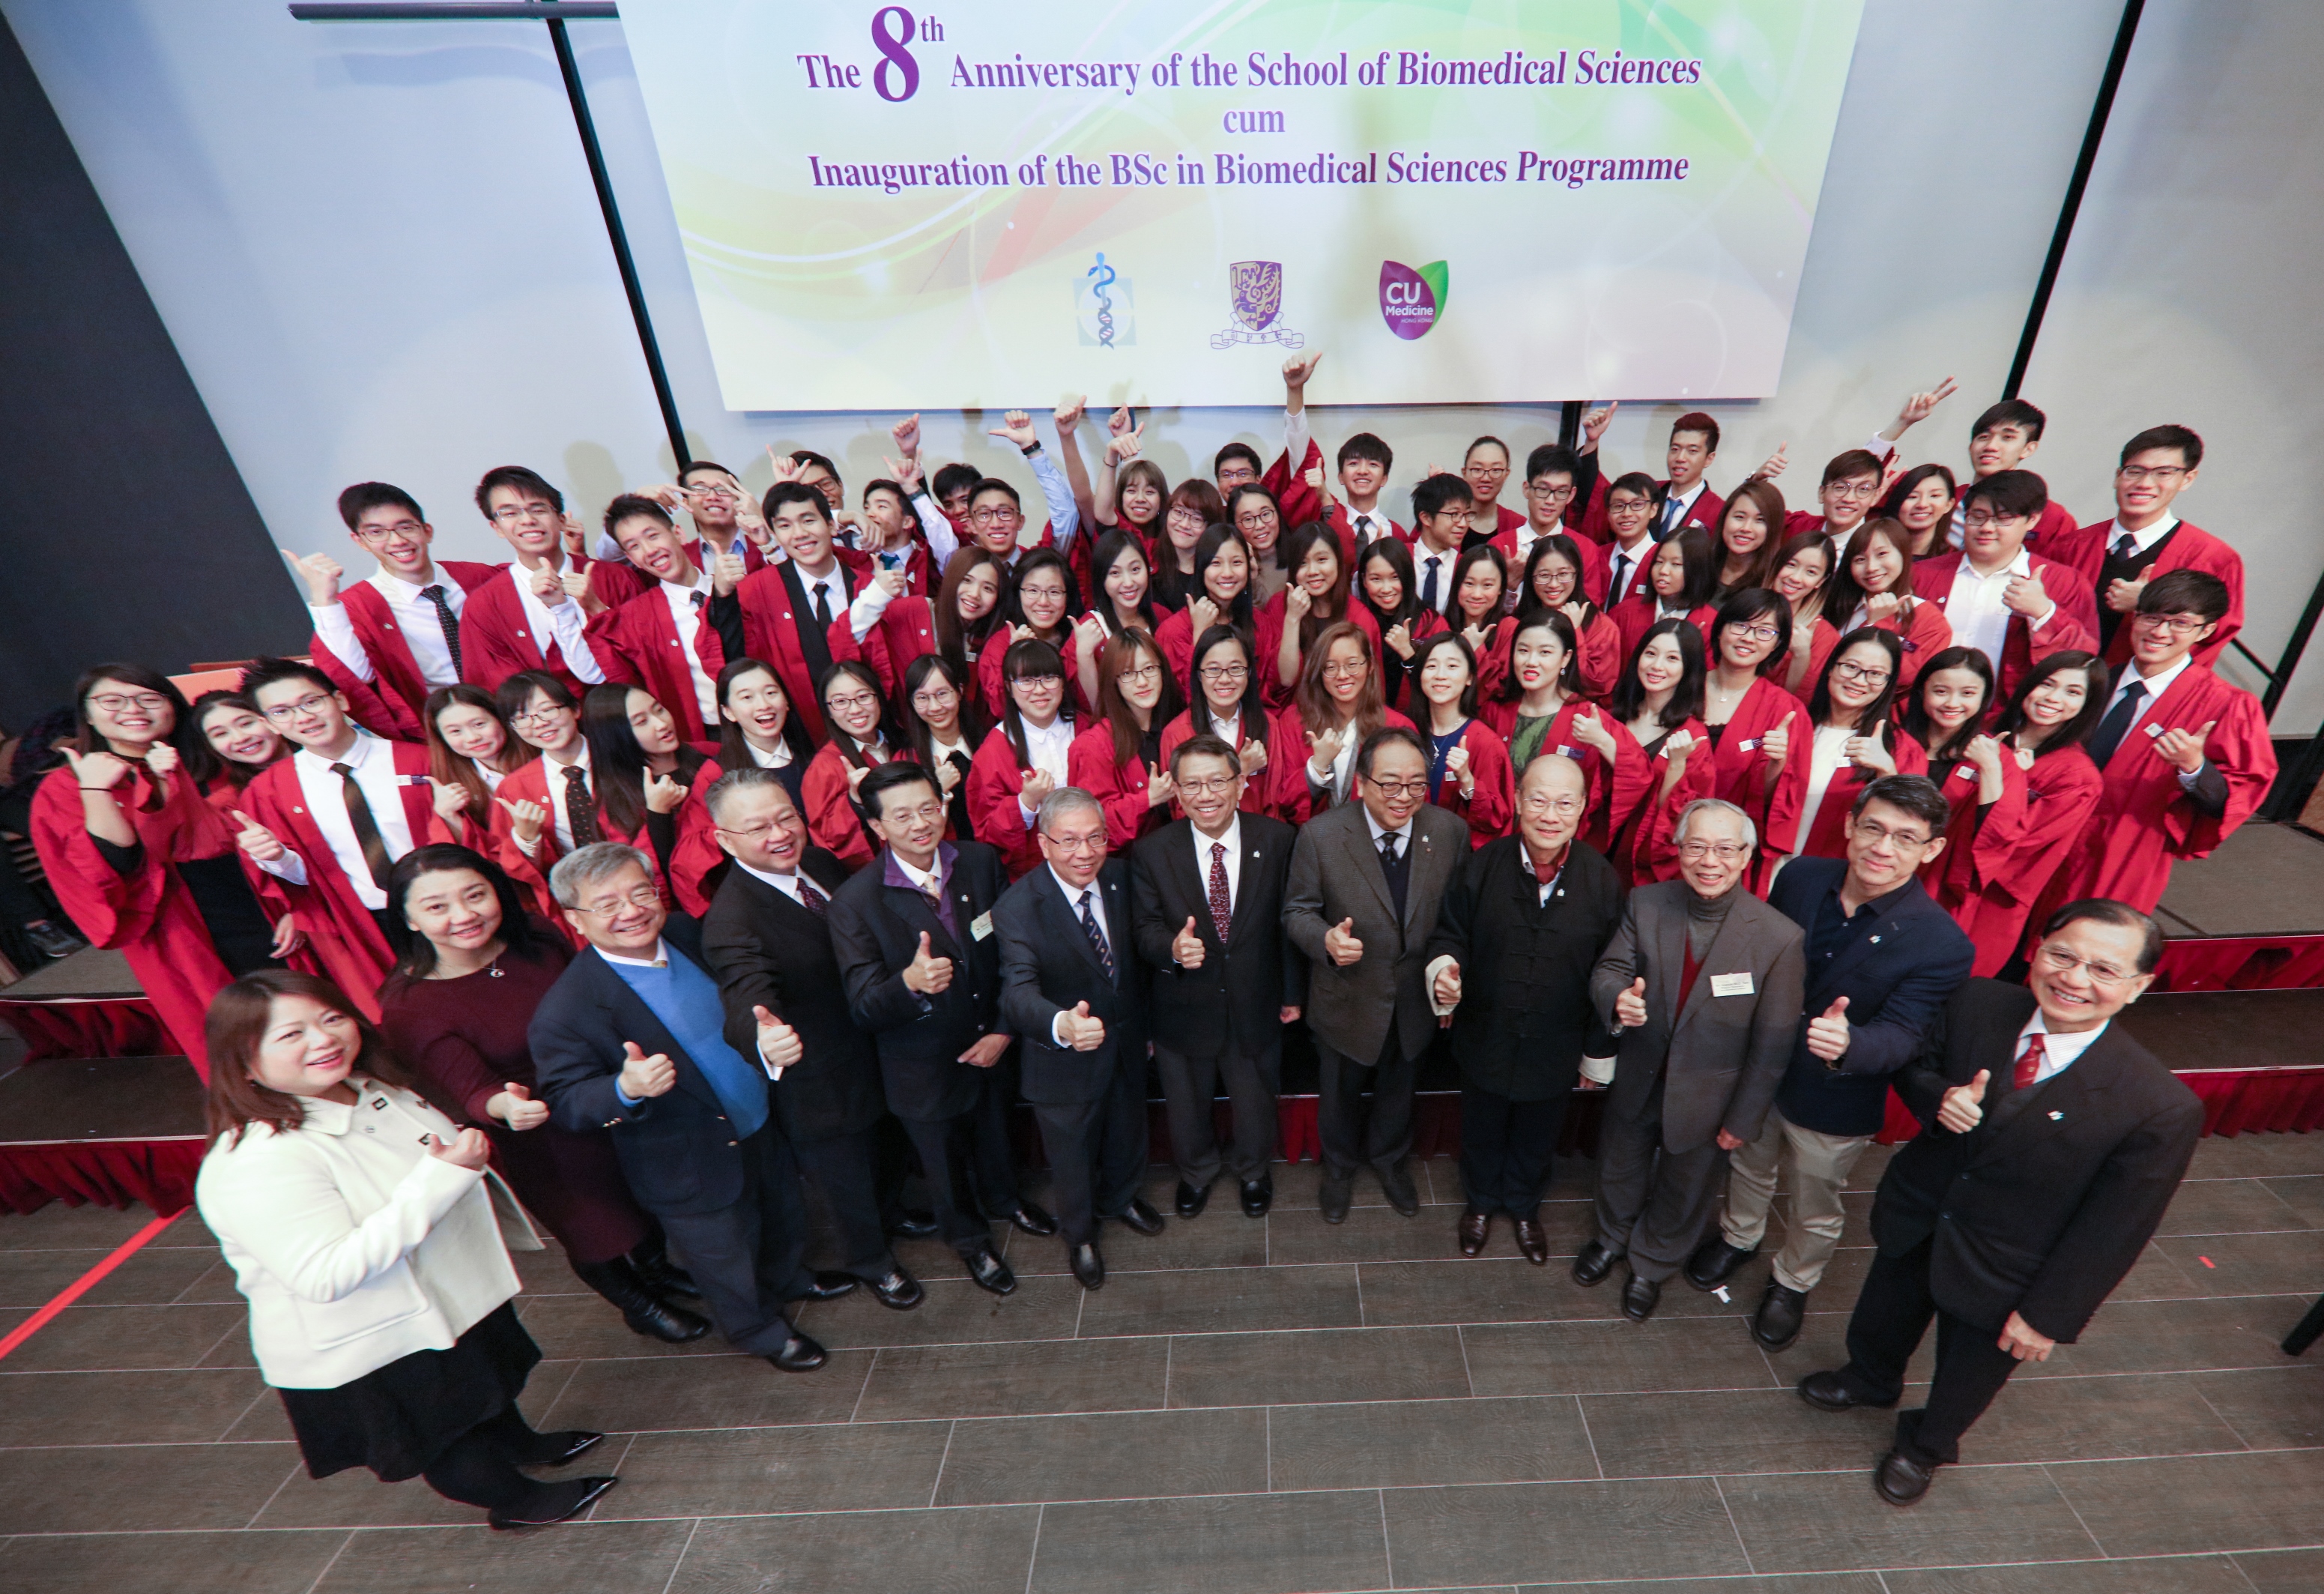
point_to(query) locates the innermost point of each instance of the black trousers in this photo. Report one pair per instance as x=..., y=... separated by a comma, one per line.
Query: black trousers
x=1653, y=1204
x=993, y=1168
x=1097, y=1153
x=1351, y=1132
x=1891, y=1316
x=751, y=1257
x=947, y=1150
x=1190, y=1088
x=845, y=1168
x=1506, y=1147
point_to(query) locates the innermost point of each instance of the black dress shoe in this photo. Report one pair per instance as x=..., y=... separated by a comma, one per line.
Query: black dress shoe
x=1900, y=1479
x=1533, y=1245
x=1829, y=1392
x=800, y=1354
x=1473, y=1228
x=1191, y=1200
x=1591, y=1267
x=909, y=1225
x=661, y=1275
x=990, y=1273
x=1332, y=1196
x=658, y=1320
x=1715, y=1261
x=559, y=1449
x=826, y=1287
x=1640, y=1296
x=1396, y=1184
x=555, y=1502
x=1088, y=1266
x=898, y=1291
x=1258, y=1195
x=1031, y=1220
x=1141, y=1217
x=1781, y=1312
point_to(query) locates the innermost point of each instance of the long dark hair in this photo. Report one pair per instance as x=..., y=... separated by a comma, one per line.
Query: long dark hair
x=956, y=641
x=1108, y=553
x=1467, y=702
x=1114, y=708
x=1251, y=716
x=850, y=748
x=1892, y=505
x=1144, y=471
x=1475, y=554
x=1282, y=528
x=1333, y=605
x=1392, y=553
x=916, y=735
x=236, y=1027
x=1563, y=547
x=1012, y=605
x=1686, y=698
x=1214, y=539
x=1558, y=625
x=1875, y=712
x=1915, y=715
x=237, y=775
x=1769, y=500
x=1171, y=587
x=457, y=769
x=617, y=765
x=1756, y=603
x=1698, y=568
x=1797, y=544
x=733, y=747
x=2075, y=731
x=1847, y=593
x=1025, y=660
x=1317, y=711
x=515, y=695
x=415, y=954
x=194, y=755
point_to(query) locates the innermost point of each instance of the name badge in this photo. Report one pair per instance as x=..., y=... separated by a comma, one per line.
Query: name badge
x=980, y=927
x=1566, y=752
x=1750, y=744
x=1731, y=984
x=2153, y=730
x=1965, y=771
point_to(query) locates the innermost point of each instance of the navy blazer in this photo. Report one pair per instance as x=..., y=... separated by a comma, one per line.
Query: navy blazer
x=1898, y=975
x=1047, y=966
x=678, y=1151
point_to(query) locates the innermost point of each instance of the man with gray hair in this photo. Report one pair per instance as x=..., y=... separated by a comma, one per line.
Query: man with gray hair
x=1072, y=984
x=629, y=1041
x=1703, y=980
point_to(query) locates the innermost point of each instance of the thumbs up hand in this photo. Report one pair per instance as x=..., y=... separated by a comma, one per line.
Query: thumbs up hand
x=1828, y=1032
x=2121, y=596
x=161, y=760
x=1341, y=945
x=779, y=1043
x=2184, y=748
x=1962, y=1109
x=1777, y=742
x=643, y=1078
x=513, y=1105
x=1871, y=752
x=926, y=973
x=262, y=844
x=321, y=574
x=2025, y=596
x=1186, y=946
x=1630, y=1006
x=1081, y=1029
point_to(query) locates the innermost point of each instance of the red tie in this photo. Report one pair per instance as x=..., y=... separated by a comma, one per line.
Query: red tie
x=2029, y=1063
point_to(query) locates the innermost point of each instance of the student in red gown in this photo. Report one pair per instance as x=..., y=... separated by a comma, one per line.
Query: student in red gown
x=1627, y=524
x=861, y=735
x=242, y=740
x=1542, y=707
x=1122, y=599
x=1130, y=493
x=1851, y=741
x=1684, y=498
x=1035, y=609
x=532, y=613
x=1658, y=705
x=1384, y=580
x=471, y=750
x=1751, y=720
x=1851, y=485
x=788, y=608
x=2012, y=605
x=1479, y=616
x=1947, y=709
x=1023, y=758
x=1223, y=700
x=1750, y=530
x=1552, y=478
x=1320, y=594
x=673, y=637
x=1680, y=579
x=1469, y=771
x=1874, y=588
x=1220, y=596
x=1336, y=709
x=1195, y=508
x=1806, y=570
x=1439, y=518
x=1486, y=468
x=2186, y=756
x=1118, y=759
x=2003, y=437
x=1258, y=518
x=1554, y=579
x=2146, y=540
x=1921, y=502
x=944, y=725
x=757, y=728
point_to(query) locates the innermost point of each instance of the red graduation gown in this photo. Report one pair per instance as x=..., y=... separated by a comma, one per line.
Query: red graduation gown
x=1745, y=777
x=906, y=629
x=1828, y=838
x=1290, y=799
x=2073, y=621
x=1920, y=627
x=693, y=858
x=1494, y=809
x=1120, y=787
x=993, y=687
x=638, y=643
x=397, y=687
x=1994, y=868
x=1704, y=512
x=1634, y=617
x=1648, y=850
x=1594, y=570
x=1609, y=805
x=995, y=781
x=1270, y=619
x=2190, y=548
x=496, y=638
x=770, y=630
x=1257, y=785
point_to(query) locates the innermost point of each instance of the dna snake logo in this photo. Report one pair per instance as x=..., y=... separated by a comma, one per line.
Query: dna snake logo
x=1105, y=277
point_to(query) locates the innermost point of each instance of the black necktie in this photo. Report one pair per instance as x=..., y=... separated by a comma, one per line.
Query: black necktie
x=2125, y=546
x=1363, y=530
x=1428, y=585
x=811, y=899
x=1387, y=850
x=1396, y=866
x=580, y=808
x=1669, y=518
x=2117, y=723
x=447, y=619
x=1096, y=936
x=823, y=605
x=698, y=599
x=367, y=828
x=1621, y=580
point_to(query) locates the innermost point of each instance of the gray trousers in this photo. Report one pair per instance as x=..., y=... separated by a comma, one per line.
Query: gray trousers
x=1653, y=1205
x=1190, y=1086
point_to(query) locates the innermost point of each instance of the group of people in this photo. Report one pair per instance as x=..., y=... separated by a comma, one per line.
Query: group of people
x=632, y=889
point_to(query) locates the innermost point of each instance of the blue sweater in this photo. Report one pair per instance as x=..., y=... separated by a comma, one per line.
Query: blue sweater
x=685, y=1000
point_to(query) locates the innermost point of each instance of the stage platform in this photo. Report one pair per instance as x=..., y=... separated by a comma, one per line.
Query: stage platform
x=87, y=1006
x=2248, y=918
x=108, y=1130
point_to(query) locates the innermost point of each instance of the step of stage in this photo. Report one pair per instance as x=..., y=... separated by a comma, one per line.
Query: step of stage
x=2250, y=917
x=109, y=1130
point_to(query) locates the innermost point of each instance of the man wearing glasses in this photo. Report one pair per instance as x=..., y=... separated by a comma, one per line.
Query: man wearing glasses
x=532, y=614
x=1883, y=958
x=393, y=637
x=2146, y=540
x=1704, y=983
x=1554, y=477
x=2051, y=1143
x=2186, y=757
x=1439, y=518
x=788, y=608
x=2010, y=604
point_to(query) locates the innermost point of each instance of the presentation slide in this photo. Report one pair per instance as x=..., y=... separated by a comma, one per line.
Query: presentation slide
x=978, y=204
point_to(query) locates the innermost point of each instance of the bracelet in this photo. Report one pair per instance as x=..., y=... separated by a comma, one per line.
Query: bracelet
x=1030, y=450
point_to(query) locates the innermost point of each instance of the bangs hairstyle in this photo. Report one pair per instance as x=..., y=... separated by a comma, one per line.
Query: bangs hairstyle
x=237, y=775
x=1121, y=653
x=1557, y=544
x=1630, y=698
x=1875, y=712
x=2018, y=493
x=261, y=673
x=1265, y=495
x=1812, y=604
x=733, y=747
x=632, y=506
x=1392, y=553
x=957, y=638
x=1438, y=494
x=415, y=954
x=1847, y=593
x=1108, y=552
x=193, y=749
x=797, y=492
x=1333, y=605
x=1030, y=564
x=1698, y=567
x=1696, y=421
x=1216, y=540
x=1568, y=674
x=1150, y=474
x=1243, y=452
x=1467, y=702
x=376, y=495
x=2183, y=438
x=515, y=694
x=850, y=747
x=953, y=479
x=1907, y=484
x=2010, y=412
x=2075, y=731
x=521, y=479
x=1025, y=661
x=1483, y=553
x=1768, y=499
x=236, y=1027
x=1915, y=717
x=458, y=769
x=1368, y=448
x=1252, y=714
x=895, y=489
x=1316, y=705
x=617, y=765
x=916, y=736
x=1850, y=463
x=1757, y=603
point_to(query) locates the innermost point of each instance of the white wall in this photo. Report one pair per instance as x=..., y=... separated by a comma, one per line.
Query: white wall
x=378, y=251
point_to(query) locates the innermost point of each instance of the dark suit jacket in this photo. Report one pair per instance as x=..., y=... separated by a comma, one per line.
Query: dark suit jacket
x=2042, y=1206
x=1897, y=975
x=1235, y=1000
x=875, y=931
x=768, y=950
x=1335, y=875
x=1047, y=966
x=677, y=1151
x=1724, y=1055
x=1525, y=1011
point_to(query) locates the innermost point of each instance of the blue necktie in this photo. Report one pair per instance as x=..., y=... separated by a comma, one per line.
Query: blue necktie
x=1096, y=936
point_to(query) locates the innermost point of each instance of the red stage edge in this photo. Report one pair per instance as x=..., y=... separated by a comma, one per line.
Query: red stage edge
x=2241, y=963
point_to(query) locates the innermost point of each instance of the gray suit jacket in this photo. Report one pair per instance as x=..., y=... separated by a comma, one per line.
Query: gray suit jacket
x=1723, y=1055
x=1335, y=875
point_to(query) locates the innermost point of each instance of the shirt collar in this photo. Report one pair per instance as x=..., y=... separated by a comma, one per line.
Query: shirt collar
x=660, y=959
x=788, y=885
x=581, y=763
x=900, y=872
x=2156, y=685
x=779, y=758
x=2061, y=1050
x=1074, y=892
x=1403, y=831
x=354, y=757
x=681, y=586
x=387, y=581
x=2147, y=538
x=1876, y=905
x=1232, y=840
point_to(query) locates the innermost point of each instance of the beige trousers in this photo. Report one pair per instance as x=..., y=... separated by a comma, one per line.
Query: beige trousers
x=1820, y=1165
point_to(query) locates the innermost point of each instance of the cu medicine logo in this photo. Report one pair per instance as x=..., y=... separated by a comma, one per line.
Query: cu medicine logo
x=1411, y=301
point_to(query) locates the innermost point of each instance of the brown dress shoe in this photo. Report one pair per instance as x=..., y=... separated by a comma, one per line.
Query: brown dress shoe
x=1474, y=1227
x=1533, y=1245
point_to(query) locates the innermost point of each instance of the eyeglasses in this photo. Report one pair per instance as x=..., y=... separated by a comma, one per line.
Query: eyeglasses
x=1869, y=674
x=711, y=490
x=1220, y=674
x=1398, y=788
x=2177, y=625
x=854, y=702
x=1487, y=472
x=1854, y=491
x=934, y=699
x=2056, y=959
x=113, y=703
x=1344, y=669
x=1185, y=518
x=1726, y=852
x=605, y=907
x=1094, y=842
x=1143, y=675
x=1629, y=506
x=753, y=833
x=1565, y=807
x=927, y=813
x=1040, y=682
x=508, y=515
x=1978, y=522
x=535, y=716
x=1755, y=632
x=1220, y=784
x=1873, y=833
x=1533, y=489
x=401, y=528
x=311, y=704
x=1252, y=520
x=994, y=517
x=2159, y=474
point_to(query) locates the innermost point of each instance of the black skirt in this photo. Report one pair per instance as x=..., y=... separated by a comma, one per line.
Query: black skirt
x=396, y=1420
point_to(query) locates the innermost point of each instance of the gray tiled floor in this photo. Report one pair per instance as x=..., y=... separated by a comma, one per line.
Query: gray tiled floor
x=1245, y=1408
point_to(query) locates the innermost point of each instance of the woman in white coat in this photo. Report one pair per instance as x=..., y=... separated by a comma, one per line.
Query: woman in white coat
x=367, y=1233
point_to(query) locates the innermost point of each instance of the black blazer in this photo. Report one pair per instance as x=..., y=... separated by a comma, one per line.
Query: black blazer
x=1897, y=975
x=2042, y=1206
x=1525, y=1011
x=875, y=931
x=678, y=1151
x=1047, y=966
x=768, y=950
x=1235, y=1000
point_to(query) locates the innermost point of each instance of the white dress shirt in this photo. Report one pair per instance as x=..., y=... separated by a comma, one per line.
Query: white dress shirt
x=788, y=885
x=2156, y=685
x=1671, y=520
x=1232, y=842
x=928, y=881
x=780, y=758
x=689, y=622
x=1403, y=833
x=415, y=616
x=558, y=788
x=373, y=762
x=1830, y=752
x=831, y=584
x=1045, y=746
x=1976, y=611
x=1423, y=556
x=2059, y=1052
x=1076, y=895
x=1342, y=772
x=2144, y=540
x=1626, y=568
x=565, y=625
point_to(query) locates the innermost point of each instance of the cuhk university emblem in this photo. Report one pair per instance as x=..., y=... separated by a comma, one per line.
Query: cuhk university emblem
x=1256, y=289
